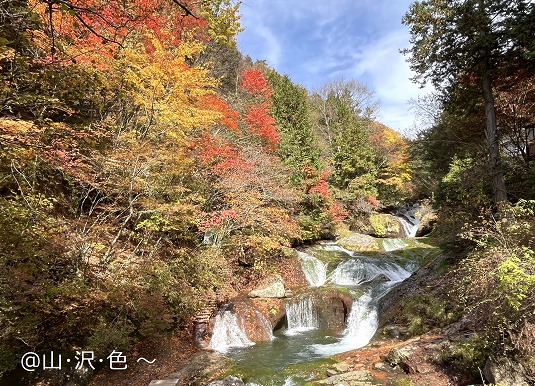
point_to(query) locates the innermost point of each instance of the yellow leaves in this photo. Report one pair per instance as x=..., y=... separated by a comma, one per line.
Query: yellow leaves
x=165, y=88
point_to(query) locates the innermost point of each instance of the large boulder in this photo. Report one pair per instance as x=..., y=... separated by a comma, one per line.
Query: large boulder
x=333, y=309
x=358, y=242
x=256, y=324
x=386, y=225
x=504, y=372
x=427, y=223
x=271, y=287
x=357, y=377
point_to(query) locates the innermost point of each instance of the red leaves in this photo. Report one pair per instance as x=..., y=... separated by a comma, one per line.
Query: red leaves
x=262, y=124
x=322, y=188
x=258, y=116
x=220, y=156
x=254, y=82
x=217, y=219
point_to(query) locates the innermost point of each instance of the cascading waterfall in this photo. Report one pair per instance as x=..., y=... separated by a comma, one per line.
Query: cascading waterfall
x=409, y=219
x=365, y=277
x=361, y=326
x=301, y=316
x=390, y=245
x=314, y=269
x=228, y=332
x=357, y=271
x=409, y=228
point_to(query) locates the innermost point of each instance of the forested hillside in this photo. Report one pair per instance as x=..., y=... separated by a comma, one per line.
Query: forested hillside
x=476, y=157
x=147, y=166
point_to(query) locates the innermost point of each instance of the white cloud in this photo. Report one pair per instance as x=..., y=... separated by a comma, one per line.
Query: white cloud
x=315, y=41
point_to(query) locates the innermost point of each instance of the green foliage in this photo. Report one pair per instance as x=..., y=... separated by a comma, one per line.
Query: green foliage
x=424, y=312
x=298, y=146
x=384, y=224
x=464, y=184
x=499, y=280
x=468, y=354
x=516, y=276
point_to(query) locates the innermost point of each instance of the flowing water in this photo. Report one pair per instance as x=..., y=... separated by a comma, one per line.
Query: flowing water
x=314, y=269
x=301, y=316
x=326, y=266
x=228, y=333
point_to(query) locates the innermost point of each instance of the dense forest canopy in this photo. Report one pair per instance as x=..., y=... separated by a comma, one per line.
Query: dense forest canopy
x=146, y=163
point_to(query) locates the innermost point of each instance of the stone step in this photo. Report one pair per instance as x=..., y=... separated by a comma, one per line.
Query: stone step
x=204, y=315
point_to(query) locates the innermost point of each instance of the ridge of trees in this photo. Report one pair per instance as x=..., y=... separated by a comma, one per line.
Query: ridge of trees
x=141, y=174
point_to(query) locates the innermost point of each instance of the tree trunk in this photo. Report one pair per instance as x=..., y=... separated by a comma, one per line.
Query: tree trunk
x=491, y=133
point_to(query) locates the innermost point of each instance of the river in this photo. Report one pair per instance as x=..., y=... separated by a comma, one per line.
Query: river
x=304, y=338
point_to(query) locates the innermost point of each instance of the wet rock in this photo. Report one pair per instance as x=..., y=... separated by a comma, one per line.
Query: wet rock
x=380, y=366
x=228, y=381
x=342, y=367
x=505, y=372
x=257, y=325
x=332, y=309
x=331, y=372
x=272, y=287
x=358, y=242
x=386, y=225
x=201, y=368
x=427, y=223
x=392, y=331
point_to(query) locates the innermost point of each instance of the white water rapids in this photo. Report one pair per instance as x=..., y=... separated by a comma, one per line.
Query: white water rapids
x=228, y=332
x=305, y=337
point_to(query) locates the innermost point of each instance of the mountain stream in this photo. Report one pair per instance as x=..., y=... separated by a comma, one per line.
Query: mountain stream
x=304, y=338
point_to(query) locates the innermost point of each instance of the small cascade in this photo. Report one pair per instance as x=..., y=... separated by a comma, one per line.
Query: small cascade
x=390, y=245
x=301, y=316
x=289, y=382
x=314, y=269
x=409, y=219
x=358, y=271
x=332, y=246
x=228, y=332
x=409, y=228
x=362, y=322
x=361, y=326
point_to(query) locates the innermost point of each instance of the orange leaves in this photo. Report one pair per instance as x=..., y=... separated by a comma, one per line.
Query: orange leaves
x=229, y=117
x=254, y=82
x=262, y=124
x=89, y=30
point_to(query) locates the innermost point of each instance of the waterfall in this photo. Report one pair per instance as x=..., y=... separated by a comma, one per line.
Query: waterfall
x=332, y=246
x=353, y=272
x=301, y=316
x=314, y=269
x=228, y=332
x=390, y=245
x=409, y=228
x=362, y=322
x=409, y=219
x=289, y=382
x=361, y=326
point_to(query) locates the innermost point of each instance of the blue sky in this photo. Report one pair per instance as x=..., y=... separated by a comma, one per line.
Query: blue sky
x=315, y=41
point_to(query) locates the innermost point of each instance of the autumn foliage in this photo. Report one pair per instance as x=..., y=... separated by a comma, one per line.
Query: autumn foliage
x=131, y=186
